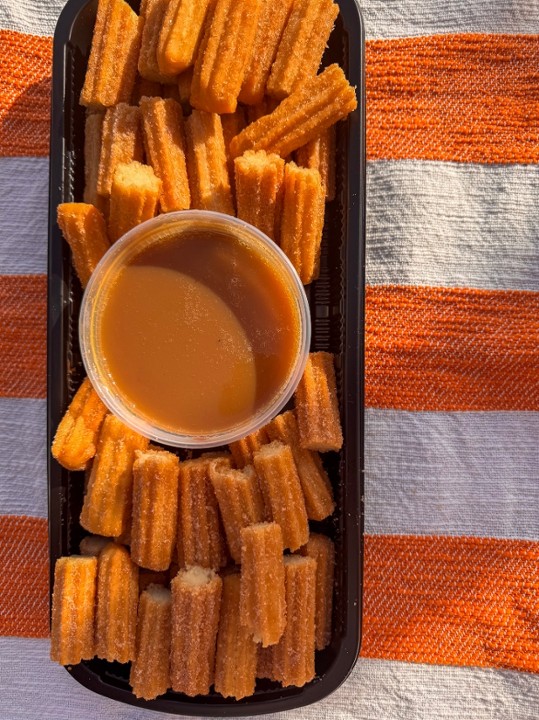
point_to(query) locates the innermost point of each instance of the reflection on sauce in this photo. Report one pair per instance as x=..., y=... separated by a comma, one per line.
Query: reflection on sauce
x=199, y=333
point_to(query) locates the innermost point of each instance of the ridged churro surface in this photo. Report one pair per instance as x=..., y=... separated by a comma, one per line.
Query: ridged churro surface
x=322, y=549
x=84, y=229
x=244, y=449
x=181, y=34
x=121, y=142
x=258, y=182
x=153, y=13
x=319, y=154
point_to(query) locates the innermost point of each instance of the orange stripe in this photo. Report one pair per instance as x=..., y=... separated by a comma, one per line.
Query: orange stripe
x=25, y=70
x=24, y=577
x=466, y=98
x=452, y=600
x=23, y=352
x=433, y=348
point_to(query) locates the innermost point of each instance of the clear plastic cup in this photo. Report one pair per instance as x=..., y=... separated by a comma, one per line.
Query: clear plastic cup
x=132, y=243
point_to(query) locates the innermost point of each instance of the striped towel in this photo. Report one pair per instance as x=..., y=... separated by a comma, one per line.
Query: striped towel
x=451, y=597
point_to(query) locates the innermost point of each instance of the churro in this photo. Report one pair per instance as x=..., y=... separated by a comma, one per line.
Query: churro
x=112, y=66
x=262, y=604
x=91, y=545
x=207, y=163
x=281, y=488
x=152, y=13
x=302, y=45
x=150, y=674
x=319, y=155
x=271, y=24
x=200, y=538
x=181, y=34
x=164, y=140
x=73, y=609
x=75, y=442
x=107, y=502
x=155, y=508
x=121, y=143
x=240, y=501
x=236, y=654
x=315, y=105
x=244, y=449
x=224, y=55
x=93, y=130
x=196, y=600
x=322, y=549
x=317, y=491
x=259, y=180
x=134, y=197
x=317, y=407
x=293, y=656
x=84, y=229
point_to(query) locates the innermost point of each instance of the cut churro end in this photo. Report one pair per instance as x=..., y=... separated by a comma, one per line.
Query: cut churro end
x=181, y=34
x=117, y=602
x=293, y=656
x=315, y=105
x=317, y=408
x=155, y=508
x=164, y=139
x=121, y=143
x=319, y=155
x=134, y=197
x=244, y=449
x=150, y=674
x=91, y=545
x=262, y=603
x=236, y=655
x=84, y=229
x=73, y=610
x=281, y=488
x=207, y=163
x=75, y=442
x=317, y=491
x=112, y=66
x=302, y=220
x=224, y=54
x=302, y=45
x=153, y=13
x=259, y=180
x=322, y=549
x=200, y=537
x=107, y=502
x=196, y=600
x=240, y=502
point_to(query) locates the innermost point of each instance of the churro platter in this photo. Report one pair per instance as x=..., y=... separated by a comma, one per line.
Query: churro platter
x=196, y=567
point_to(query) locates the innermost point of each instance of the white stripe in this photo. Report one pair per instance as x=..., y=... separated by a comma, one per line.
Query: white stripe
x=434, y=223
x=24, y=197
x=23, y=457
x=37, y=17
x=402, y=18
x=452, y=473
x=32, y=687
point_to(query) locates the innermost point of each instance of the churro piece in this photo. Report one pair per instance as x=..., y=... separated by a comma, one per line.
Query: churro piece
x=181, y=34
x=224, y=55
x=302, y=45
x=200, y=538
x=121, y=142
x=322, y=549
x=233, y=124
x=236, y=655
x=164, y=140
x=319, y=155
x=155, y=509
x=196, y=601
x=302, y=220
x=264, y=667
x=75, y=442
x=150, y=577
x=107, y=503
x=271, y=24
x=146, y=88
x=184, y=89
x=317, y=491
x=73, y=610
x=112, y=66
x=150, y=675
x=91, y=545
x=93, y=131
x=243, y=450
x=117, y=601
x=152, y=13
x=133, y=199
x=259, y=180
x=207, y=163
x=281, y=488
x=317, y=407
x=240, y=501
x=315, y=105
x=84, y=229
x=262, y=604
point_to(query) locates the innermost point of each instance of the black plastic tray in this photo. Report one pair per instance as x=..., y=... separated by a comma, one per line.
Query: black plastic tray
x=337, y=309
